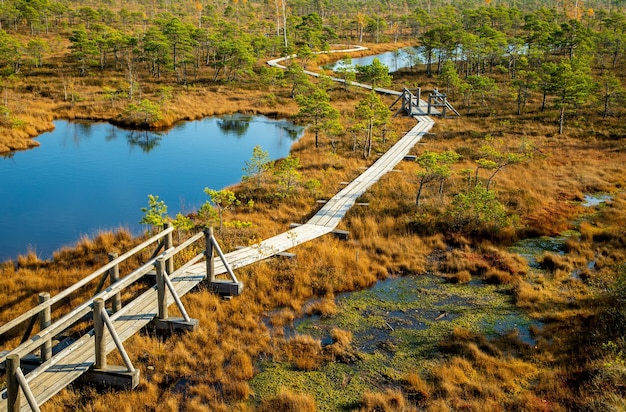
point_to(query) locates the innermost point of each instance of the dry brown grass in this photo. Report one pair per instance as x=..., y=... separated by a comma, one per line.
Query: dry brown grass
x=479, y=376
x=304, y=352
x=387, y=401
x=417, y=389
x=288, y=401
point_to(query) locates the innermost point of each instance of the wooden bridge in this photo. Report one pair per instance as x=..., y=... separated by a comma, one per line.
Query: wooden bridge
x=413, y=105
x=48, y=361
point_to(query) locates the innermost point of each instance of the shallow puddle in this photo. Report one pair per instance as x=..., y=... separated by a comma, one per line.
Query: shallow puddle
x=397, y=326
x=417, y=305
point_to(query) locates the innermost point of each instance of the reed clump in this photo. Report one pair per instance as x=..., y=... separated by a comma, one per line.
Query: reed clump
x=304, y=352
x=388, y=401
x=288, y=401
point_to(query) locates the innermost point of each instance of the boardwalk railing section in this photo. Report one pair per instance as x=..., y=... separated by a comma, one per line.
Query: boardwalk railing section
x=413, y=105
x=53, y=360
x=35, y=354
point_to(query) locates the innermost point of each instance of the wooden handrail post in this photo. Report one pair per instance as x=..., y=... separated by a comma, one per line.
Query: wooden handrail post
x=98, y=327
x=161, y=288
x=210, y=264
x=44, y=321
x=169, y=243
x=13, y=387
x=114, y=276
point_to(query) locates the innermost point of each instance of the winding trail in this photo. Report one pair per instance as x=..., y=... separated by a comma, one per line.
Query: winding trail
x=329, y=216
x=71, y=362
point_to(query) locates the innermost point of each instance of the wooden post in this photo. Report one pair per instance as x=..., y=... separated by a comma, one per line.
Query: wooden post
x=114, y=276
x=430, y=96
x=161, y=288
x=210, y=264
x=98, y=327
x=44, y=321
x=169, y=243
x=13, y=387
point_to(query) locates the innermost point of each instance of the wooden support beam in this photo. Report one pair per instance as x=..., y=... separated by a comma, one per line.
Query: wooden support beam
x=208, y=251
x=286, y=255
x=114, y=276
x=44, y=321
x=98, y=332
x=169, y=243
x=338, y=233
x=341, y=234
x=163, y=323
x=102, y=374
x=13, y=387
x=173, y=326
x=28, y=394
x=226, y=288
x=15, y=381
x=161, y=291
x=223, y=287
x=113, y=376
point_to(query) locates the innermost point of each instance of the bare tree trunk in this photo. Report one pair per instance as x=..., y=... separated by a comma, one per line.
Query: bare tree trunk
x=285, y=25
x=562, y=118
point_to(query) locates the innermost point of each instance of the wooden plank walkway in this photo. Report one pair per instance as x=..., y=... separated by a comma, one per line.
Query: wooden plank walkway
x=72, y=362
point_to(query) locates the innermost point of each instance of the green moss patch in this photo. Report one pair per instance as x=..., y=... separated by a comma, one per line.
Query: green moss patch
x=397, y=327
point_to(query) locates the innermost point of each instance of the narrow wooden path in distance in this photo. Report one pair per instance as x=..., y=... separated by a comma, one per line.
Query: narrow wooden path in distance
x=69, y=364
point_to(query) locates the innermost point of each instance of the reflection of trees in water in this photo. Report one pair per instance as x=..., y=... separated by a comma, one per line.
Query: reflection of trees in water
x=111, y=133
x=79, y=131
x=237, y=125
x=7, y=155
x=293, y=131
x=84, y=128
x=145, y=139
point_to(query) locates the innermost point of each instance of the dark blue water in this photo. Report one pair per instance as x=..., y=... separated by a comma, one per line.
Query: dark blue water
x=87, y=177
x=394, y=60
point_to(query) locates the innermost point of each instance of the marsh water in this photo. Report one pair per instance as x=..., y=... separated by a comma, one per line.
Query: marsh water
x=422, y=306
x=394, y=60
x=88, y=177
x=398, y=324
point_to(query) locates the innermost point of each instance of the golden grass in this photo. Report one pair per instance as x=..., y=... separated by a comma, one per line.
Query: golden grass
x=288, y=401
x=387, y=401
x=304, y=352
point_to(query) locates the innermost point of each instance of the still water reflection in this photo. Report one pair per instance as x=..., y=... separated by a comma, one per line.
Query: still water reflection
x=87, y=177
x=394, y=60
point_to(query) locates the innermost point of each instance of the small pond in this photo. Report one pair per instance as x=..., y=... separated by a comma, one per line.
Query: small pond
x=87, y=177
x=395, y=60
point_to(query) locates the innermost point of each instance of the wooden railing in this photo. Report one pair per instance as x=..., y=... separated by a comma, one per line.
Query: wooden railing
x=93, y=309
x=49, y=329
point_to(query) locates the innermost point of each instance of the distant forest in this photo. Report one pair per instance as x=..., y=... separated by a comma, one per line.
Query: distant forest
x=568, y=52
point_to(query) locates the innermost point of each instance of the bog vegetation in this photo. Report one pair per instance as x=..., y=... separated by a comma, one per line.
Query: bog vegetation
x=540, y=86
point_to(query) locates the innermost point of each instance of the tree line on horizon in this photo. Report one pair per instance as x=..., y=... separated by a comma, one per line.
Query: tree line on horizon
x=567, y=52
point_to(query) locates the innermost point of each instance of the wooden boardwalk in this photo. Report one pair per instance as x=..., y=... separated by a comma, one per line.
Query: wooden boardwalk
x=72, y=362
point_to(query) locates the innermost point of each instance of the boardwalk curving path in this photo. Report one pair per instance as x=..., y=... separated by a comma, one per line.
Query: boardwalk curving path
x=70, y=363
